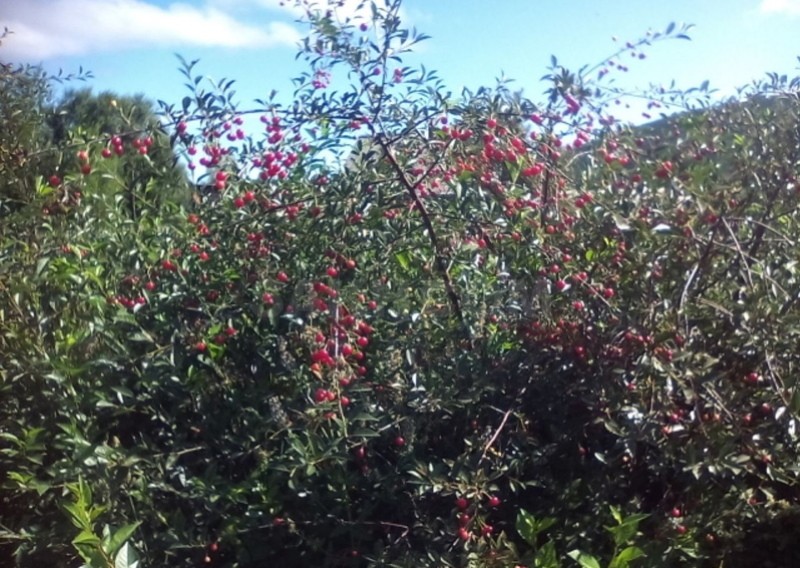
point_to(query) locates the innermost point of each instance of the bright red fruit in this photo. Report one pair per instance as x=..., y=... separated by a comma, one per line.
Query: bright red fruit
x=494, y=501
x=320, y=395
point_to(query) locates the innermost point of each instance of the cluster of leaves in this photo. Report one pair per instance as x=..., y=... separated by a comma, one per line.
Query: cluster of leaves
x=395, y=327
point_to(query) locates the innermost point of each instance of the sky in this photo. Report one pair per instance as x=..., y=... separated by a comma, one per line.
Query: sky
x=130, y=45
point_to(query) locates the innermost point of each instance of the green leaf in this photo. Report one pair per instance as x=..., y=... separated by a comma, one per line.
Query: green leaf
x=77, y=515
x=41, y=265
x=526, y=526
x=141, y=337
x=546, y=556
x=126, y=557
x=585, y=560
x=403, y=259
x=626, y=530
x=795, y=402
x=87, y=538
x=626, y=556
x=120, y=536
x=529, y=528
x=365, y=433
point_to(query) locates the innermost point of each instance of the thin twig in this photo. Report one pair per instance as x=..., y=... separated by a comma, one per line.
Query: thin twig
x=439, y=260
x=495, y=435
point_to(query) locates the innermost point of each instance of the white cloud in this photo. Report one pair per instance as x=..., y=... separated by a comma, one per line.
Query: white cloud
x=43, y=29
x=353, y=10
x=781, y=6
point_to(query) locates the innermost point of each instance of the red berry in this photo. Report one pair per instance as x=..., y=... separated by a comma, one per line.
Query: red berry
x=282, y=277
x=680, y=529
x=494, y=501
x=320, y=395
x=676, y=512
x=464, y=534
x=462, y=503
x=399, y=441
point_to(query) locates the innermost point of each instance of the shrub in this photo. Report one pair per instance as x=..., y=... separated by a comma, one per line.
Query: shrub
x=400, y=328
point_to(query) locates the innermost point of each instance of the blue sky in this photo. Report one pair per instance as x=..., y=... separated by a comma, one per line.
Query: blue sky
x=129, y=45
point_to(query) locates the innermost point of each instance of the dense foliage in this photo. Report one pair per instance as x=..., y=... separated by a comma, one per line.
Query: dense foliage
x=397, y=327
